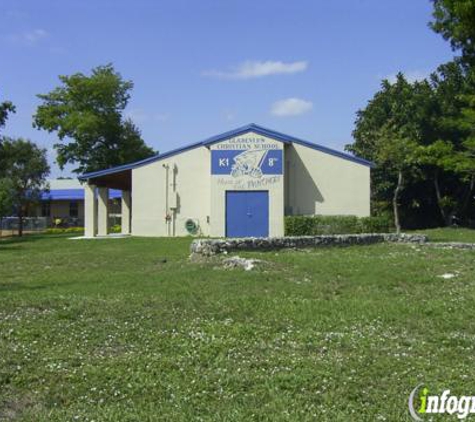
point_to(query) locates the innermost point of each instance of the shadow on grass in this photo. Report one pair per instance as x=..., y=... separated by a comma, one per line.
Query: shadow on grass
x=28, y=238
x=15, y=287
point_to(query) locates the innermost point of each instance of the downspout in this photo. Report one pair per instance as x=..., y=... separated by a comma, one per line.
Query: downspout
x=174, y=170
x=167, y=209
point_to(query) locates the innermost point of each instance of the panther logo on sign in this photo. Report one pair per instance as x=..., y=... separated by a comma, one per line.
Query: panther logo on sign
x=249, y=163
x=254, y=163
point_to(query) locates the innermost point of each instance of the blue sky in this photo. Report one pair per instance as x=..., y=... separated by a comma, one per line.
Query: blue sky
x=302, y=67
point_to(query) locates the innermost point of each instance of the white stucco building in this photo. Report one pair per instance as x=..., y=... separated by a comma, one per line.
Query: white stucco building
x=240, y=183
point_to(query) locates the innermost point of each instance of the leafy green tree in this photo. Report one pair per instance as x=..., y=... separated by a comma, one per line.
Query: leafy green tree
x=439, y=114
x=6, y=200
x=396, y=152
x=6, y=205
x=465, y=165
x=6, y=107
x=437, y=158
x=24, y=175
x=401, y=103
x=395, y=119
x=87, y=114
x=449, y=158
x=455, y=21
x=434, y=121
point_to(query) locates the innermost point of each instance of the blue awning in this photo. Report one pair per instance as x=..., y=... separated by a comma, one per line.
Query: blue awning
x=73, y=195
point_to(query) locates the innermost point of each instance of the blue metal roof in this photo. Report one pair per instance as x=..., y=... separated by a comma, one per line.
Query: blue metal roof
x=287, y=139
x=73, y=195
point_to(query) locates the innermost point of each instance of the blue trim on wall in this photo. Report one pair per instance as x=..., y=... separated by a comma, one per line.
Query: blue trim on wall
x=230, y=134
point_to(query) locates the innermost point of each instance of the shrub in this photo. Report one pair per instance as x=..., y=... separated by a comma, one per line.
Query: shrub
x=335, y=224
x=58, y=230
x=116, y=228
x=377, y=224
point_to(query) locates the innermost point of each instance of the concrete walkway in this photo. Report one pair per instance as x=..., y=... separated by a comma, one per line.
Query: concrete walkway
x=109, y=236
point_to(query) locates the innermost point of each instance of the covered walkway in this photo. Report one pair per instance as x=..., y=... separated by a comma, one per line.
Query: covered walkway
x=96, y=202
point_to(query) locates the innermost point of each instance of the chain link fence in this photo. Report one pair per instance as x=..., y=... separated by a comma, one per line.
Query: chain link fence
x=9, y=225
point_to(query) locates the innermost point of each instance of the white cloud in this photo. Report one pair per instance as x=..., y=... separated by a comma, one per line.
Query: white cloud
x=410, y=75
x=34, y=36
x=258, y=69
x=28, y=37
x=291, y=107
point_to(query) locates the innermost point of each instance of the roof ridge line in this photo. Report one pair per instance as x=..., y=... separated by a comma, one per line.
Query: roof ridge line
x=217, y=138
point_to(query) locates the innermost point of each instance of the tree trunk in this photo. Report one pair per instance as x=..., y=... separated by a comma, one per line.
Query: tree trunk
x=20, y=221
x=439, y=199
x=468, y=196
x=397, y=191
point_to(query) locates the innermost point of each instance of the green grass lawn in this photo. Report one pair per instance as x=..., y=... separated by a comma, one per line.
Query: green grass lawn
x=131, y=330
x=450, y=235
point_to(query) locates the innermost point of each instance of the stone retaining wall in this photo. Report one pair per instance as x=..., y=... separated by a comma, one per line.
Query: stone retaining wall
x=210, y=247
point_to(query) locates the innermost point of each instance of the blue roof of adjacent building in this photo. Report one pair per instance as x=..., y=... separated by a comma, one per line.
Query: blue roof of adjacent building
x=218, y=138
x=73, y=194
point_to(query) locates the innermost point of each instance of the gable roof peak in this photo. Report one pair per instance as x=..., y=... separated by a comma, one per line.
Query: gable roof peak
x=287, y=139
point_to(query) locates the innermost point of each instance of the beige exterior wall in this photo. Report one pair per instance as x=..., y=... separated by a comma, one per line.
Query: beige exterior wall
x=320, y=183
x=59, y=209
x=183, y=187
x=187, y=193
x=274, y=184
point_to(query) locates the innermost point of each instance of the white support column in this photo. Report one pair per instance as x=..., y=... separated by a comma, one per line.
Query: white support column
x=90, y=210
x=103, y=211
x=126, y=211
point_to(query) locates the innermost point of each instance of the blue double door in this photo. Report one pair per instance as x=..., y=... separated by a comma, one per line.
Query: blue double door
x=247, y=213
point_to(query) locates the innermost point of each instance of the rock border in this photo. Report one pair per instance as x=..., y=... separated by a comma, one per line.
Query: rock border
x=209, y=247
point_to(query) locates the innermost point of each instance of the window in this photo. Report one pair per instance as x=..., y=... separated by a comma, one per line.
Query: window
x=73, y=209
x=46, y=209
